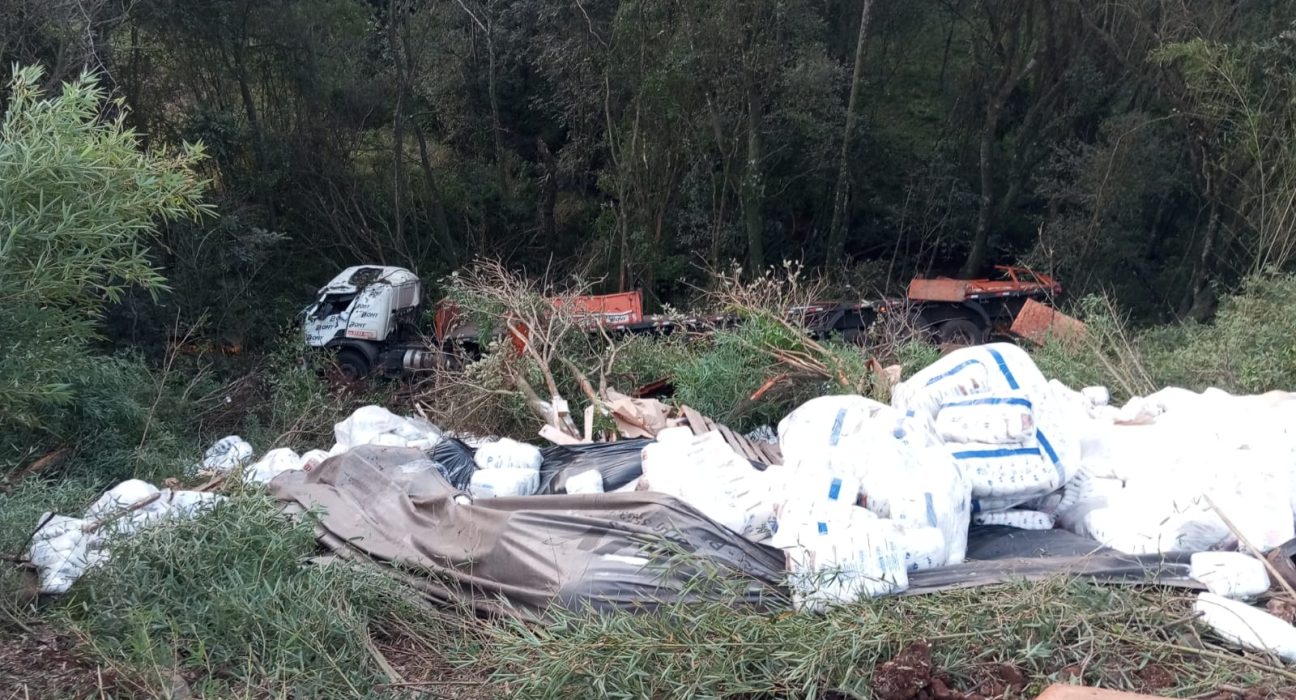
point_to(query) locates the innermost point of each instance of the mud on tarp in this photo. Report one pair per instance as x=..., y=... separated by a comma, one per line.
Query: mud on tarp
x=519, y=556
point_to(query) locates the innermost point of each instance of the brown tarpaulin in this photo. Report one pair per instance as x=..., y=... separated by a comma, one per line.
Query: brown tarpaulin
x=518, y=556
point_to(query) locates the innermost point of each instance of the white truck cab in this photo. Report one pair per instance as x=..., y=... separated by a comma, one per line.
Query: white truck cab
x=363, y=314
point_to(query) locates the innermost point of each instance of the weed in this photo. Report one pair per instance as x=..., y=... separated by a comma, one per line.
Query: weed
x=229, y=603
x=716, y=650
x=1247, y=349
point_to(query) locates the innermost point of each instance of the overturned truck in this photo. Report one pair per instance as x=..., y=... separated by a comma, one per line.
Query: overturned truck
x=373, y=317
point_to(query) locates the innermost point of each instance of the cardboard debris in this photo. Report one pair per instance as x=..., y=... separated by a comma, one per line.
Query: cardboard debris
x=637, y=417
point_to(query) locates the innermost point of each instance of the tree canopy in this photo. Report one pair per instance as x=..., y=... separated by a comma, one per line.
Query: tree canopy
x=1143, y=148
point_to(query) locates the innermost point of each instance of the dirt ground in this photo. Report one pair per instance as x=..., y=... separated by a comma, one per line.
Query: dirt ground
x=910, y=676
x=40, y=663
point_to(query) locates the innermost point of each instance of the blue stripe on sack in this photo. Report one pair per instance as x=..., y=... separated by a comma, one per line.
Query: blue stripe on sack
x=1003, y=367
x=992, y=454
x=823, y=528
x=1013, y=401
x=834, y=491
x=837, y=427
x=954, y=370
x=1052, y=455
x=931, y=509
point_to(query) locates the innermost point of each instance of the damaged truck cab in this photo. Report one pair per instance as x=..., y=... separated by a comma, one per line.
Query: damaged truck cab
x=369, y=316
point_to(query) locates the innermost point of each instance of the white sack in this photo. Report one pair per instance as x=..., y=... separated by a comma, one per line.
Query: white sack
x=272, y=464
x=845, y=561
x=1000, y=419
x=62, y=552
x=506, y=453
x=706, y=473
x=590, y=481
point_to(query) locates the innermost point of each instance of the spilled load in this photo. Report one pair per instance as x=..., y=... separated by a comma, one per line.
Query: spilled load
x=847, y=498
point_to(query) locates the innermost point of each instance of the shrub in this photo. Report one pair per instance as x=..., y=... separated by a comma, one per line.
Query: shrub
x=122, y=420
x=78, y=202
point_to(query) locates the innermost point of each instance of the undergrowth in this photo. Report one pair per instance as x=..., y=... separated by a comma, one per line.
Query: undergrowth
x=1051, y=631
x=229, y=603
x=1247, y=349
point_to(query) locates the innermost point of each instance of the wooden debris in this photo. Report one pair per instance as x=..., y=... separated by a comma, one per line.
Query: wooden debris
x=763, y=453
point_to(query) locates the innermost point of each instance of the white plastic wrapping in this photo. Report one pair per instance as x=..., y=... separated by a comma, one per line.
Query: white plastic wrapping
x=62, y=551
x=896, y=458
x=375, y=425
x=272, y=464
x=1233, y=575
x=844, y=561
x=1247, y=627
x=1013, y=433
x=1023, y=519
x=707, y=474
x=590, y=481
x=1000, y=419
x=227, y=454
x=64, y=548
x=504, y=481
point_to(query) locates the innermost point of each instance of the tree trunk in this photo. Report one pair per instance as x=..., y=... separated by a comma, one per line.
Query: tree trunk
x=398, y=121
x=837, y=229
x=440, y=223
x=254, y=123
x=981, y=236
x=496, y=128
x=1197, y=305
x=449, y=248
x=753, y=183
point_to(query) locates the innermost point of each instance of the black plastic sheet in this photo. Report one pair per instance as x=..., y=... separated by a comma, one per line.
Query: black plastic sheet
x=619, y=463
x=454, y=460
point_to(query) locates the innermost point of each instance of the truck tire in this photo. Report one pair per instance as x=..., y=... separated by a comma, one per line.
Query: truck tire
x=353, y=364
x=961, y=331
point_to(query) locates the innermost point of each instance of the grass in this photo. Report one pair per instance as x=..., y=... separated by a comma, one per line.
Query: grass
x=1247, y=349
x=1106, y=636
x=230, y=603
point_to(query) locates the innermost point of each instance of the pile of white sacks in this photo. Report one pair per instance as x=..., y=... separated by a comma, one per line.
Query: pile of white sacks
x=869, y=492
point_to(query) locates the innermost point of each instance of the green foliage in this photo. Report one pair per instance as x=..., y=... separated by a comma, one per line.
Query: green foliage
x=303, y=401
x=722, y=650
x=1247, y=349
x=643, y=359
x=733, y=363
x=1109, y=354
x=229, y=602
x=125, y=420
x=79, y=203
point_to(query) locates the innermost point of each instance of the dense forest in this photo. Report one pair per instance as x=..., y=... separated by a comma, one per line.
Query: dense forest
x=179, y=177
x=1143, y=148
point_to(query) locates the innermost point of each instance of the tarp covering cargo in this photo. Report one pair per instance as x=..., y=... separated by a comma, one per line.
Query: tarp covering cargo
x=519, y=556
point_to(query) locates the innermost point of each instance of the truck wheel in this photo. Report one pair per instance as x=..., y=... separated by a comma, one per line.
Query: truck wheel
x=352, y=363
x=961, y=331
